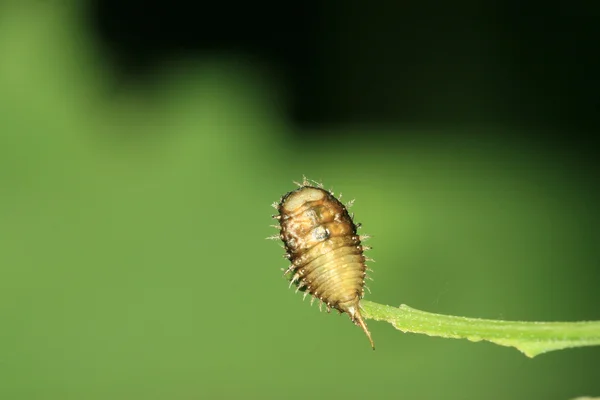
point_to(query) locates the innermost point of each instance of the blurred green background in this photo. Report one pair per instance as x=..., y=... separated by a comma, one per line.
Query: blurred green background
x=133, y=262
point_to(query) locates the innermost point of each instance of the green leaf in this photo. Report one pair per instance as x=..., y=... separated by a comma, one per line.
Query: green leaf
x=531, y=338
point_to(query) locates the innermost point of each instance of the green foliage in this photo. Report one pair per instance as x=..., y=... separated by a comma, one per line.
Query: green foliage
x=531, y=338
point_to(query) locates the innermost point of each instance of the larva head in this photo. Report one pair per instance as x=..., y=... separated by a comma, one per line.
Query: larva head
x=294, y=200
x=322, y=244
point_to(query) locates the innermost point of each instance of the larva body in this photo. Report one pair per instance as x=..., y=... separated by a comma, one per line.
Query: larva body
x=325, y=251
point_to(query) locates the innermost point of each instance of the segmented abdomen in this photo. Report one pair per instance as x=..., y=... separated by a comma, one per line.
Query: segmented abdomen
x=322, y=244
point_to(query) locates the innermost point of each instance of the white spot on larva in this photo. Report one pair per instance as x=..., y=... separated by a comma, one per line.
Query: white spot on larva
x=320, y=233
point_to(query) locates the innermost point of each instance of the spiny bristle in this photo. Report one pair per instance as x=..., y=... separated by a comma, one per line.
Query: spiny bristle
x=275, y=205
x=274, y=237
x=350, y=203
x=289, y=269
x=294, y=279
x=301, y=284
x=358, y=225
x=364, y=237
x=276, y=216
x=365, y=248
x=308, y=182
x=369, y=259
x=366, y=287
x=275, y=226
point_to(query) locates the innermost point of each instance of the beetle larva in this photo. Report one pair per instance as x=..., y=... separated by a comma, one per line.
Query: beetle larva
x=325, y=251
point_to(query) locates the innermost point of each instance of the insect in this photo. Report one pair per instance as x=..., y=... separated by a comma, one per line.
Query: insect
x=321, y=242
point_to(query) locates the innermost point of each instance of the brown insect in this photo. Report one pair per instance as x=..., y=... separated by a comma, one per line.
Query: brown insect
x=325, y=251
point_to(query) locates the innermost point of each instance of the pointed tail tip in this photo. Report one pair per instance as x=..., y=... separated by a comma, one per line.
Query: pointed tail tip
x=362, y=324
